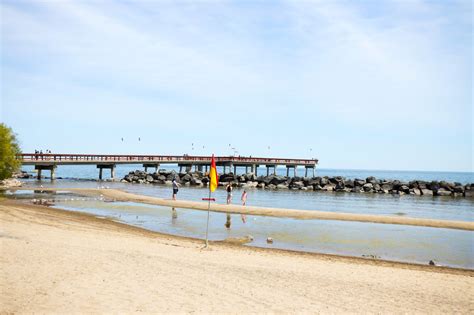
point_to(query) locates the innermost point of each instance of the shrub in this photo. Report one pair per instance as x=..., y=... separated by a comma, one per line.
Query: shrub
x=9, y=148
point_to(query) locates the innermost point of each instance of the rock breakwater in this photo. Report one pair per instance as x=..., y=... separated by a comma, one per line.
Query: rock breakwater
x=330, y=184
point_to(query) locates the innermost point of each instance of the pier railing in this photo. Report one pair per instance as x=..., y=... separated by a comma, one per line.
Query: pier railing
x=88, y=158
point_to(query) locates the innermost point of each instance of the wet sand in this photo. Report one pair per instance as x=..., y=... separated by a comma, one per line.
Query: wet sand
x=119, y=195
x=56, y=261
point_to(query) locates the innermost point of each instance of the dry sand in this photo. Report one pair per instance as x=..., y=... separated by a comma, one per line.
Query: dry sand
x=274, y=212
x=55, y=261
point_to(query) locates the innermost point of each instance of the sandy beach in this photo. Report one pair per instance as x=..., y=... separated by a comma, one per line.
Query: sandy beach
x=55, y=261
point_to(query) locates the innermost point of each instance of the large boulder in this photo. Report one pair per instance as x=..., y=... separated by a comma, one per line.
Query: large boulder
x=434, y=185
x=186, y=178
x=317, y=187
x=413, y=184
x=446, y=185
x=328, y=187
x=443, y=192
x=276, y=180
x=404, y=188
x=250, y=184
x=250, y=177
x=197, y=174
x=10, y=182
x=458, y=189
x=297, y=185
x=164, y=172
x=372, y=180
x=268, y=179
x=349, y=183
x=308, y=181
x=281, y=186
x=421, y=184
x=339, y=186
x=261, y=179
x=316, y=180
x=324, y=181
x=426, y=192
x=396, y=184
x=227, y=177
x=359, y=182
x=196, y=182
x=173, y=175
x=368, y=187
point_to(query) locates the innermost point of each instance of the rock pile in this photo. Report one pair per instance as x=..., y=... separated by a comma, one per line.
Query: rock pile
x=336, y=184
x=22, y=174
x=9, y=183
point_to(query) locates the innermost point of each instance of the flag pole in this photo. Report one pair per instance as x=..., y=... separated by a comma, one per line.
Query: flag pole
x=213, y=182
x=208, y=212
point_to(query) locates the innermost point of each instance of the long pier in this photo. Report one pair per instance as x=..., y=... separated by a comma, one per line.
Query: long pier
x=50, y=161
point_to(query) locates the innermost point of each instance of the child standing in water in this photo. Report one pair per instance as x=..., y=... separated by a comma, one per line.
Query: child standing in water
x=244, y=201
x=175, y=188
x=228, y=188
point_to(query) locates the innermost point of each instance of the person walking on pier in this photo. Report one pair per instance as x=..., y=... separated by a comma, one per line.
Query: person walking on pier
x=175, y=188
x=244, y=201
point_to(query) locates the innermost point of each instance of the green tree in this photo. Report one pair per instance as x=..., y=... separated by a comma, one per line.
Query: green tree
x=9, y=148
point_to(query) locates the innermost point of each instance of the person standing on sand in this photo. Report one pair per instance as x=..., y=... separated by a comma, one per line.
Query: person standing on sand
x=228, y=188
x=244, y=201
x=175, y=188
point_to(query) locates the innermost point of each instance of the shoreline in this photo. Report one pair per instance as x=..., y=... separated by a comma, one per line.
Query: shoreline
x=62, y=261
x=119, y=195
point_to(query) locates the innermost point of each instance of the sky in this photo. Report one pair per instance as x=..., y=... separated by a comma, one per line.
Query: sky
x=356, y=84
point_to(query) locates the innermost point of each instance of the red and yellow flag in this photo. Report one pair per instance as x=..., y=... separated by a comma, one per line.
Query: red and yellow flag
x=214, y=178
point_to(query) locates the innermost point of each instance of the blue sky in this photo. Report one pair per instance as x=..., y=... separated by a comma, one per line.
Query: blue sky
x=356, y=84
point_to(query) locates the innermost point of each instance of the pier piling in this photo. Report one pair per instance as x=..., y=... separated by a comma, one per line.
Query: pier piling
x=106, y=166
x=50, y=167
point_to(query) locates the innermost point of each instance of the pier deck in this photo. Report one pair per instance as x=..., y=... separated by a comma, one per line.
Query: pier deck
x=47, y=161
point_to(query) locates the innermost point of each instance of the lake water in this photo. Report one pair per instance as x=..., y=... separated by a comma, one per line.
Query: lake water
x=91, y=172
x=392, y=242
